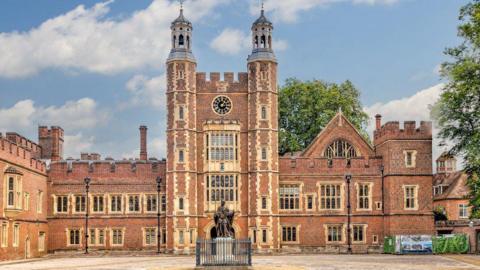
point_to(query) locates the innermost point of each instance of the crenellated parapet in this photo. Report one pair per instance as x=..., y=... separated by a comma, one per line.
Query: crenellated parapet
x=337, y=166
x=214, y=82
x=106, y=169
x=20, y=153
x=410, y=131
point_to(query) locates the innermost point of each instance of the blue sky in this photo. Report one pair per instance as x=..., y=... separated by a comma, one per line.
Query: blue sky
x=96, y=67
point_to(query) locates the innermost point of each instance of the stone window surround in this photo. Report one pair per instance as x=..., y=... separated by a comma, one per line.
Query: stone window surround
x=127, y=204
x=297, y=233
x=416, y=187
x=16, y=234
x=17, y=191
x=74, y=200
x=123, y=230
x=300, y=185
x=414, y=158
x=314, y=201
x=145, y=199
x=342, y=233
x=80, y=236
x=39, y=201
x=97, y=236
x=342, y=195
x=4, y=234
x=370, y=192
x=122, y=202
x=365, y=226
x=91, y=205
x=144, y=236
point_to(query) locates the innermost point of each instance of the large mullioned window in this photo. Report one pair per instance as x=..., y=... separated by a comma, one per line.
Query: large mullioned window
x=340, y=149
x=289, y=197
x=330, y=197
x=222, y=146
x=222, y=188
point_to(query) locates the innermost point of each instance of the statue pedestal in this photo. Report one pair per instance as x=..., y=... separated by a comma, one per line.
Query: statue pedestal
x=224, y=249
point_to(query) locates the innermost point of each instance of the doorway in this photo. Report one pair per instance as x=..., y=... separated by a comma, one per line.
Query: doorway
x=27, y=248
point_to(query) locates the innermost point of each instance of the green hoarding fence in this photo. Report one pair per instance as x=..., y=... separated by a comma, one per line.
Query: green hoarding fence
x=457, y=243
x=389, y=245
x=445, y=244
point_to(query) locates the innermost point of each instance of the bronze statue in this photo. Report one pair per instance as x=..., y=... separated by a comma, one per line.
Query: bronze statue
x=223, y=221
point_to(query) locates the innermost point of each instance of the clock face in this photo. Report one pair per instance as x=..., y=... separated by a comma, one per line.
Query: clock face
x=222, y=105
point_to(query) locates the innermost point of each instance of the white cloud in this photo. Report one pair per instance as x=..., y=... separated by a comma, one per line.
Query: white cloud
x=148, y=91
x=19, y=115
x=230, y=41
x=157, y=147
x=288, y=10
x=234, y=41
x=72, y=116
x=85, y=39
x=416, y=107
x=75, y=144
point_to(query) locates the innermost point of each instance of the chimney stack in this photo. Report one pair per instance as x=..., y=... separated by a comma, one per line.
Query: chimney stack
x=378, y=121
x=143, y=143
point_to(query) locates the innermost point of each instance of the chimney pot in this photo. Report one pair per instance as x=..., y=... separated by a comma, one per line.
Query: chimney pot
x=378, y=121
x=143, y=143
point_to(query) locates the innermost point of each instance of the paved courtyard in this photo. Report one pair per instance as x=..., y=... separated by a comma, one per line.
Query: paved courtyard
x=283, y=262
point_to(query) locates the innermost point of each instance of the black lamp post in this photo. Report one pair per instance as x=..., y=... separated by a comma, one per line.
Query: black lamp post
x=348, y=178
x=87, y=187
x=159, y=182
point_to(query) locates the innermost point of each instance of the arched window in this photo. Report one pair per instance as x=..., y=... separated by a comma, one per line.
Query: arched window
x=340, y=149
x=174, y=41
x=269, y=42
x=256, y=42
x=181, y=41
x=188, y=42
x=262, y=42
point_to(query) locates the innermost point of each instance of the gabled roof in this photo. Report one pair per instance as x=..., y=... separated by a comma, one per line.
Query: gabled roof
x=332, y=131
x=456, y=182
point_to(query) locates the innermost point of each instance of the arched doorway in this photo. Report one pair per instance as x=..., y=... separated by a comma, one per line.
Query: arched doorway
x=213, y=232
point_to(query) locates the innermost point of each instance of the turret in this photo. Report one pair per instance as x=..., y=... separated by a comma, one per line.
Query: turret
x=262, y=43
x=181, y=39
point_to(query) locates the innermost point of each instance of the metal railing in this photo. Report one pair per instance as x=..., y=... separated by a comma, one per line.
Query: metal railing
x=223, y=252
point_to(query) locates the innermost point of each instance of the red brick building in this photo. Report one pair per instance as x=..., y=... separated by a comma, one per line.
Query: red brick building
x=23, y=196
x=222, y=144
x=451, y=197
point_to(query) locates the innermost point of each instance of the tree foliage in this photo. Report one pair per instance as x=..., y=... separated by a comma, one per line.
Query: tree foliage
x=306, y=108
x=458, y=110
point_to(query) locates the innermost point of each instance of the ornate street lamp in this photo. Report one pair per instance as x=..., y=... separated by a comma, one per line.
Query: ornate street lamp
x=348, y=178
x=87, y=187
x=159, y=183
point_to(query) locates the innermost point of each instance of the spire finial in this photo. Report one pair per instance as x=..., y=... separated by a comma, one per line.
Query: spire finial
x=263, y=7
x=181, y=5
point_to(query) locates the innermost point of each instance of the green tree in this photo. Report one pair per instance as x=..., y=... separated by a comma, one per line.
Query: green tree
x=306, y=108
x=457, y=112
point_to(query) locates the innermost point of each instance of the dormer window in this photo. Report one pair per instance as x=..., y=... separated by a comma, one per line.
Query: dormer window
x=340, y=149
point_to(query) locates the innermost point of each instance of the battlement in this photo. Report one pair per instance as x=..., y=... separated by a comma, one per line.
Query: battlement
x=20, y=154
x=107, y=168
x=392, y=131
x=302, y=165
x=26, y=143
x=214, y=83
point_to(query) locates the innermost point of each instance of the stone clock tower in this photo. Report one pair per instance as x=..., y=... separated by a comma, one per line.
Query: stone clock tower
x=222, y=141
